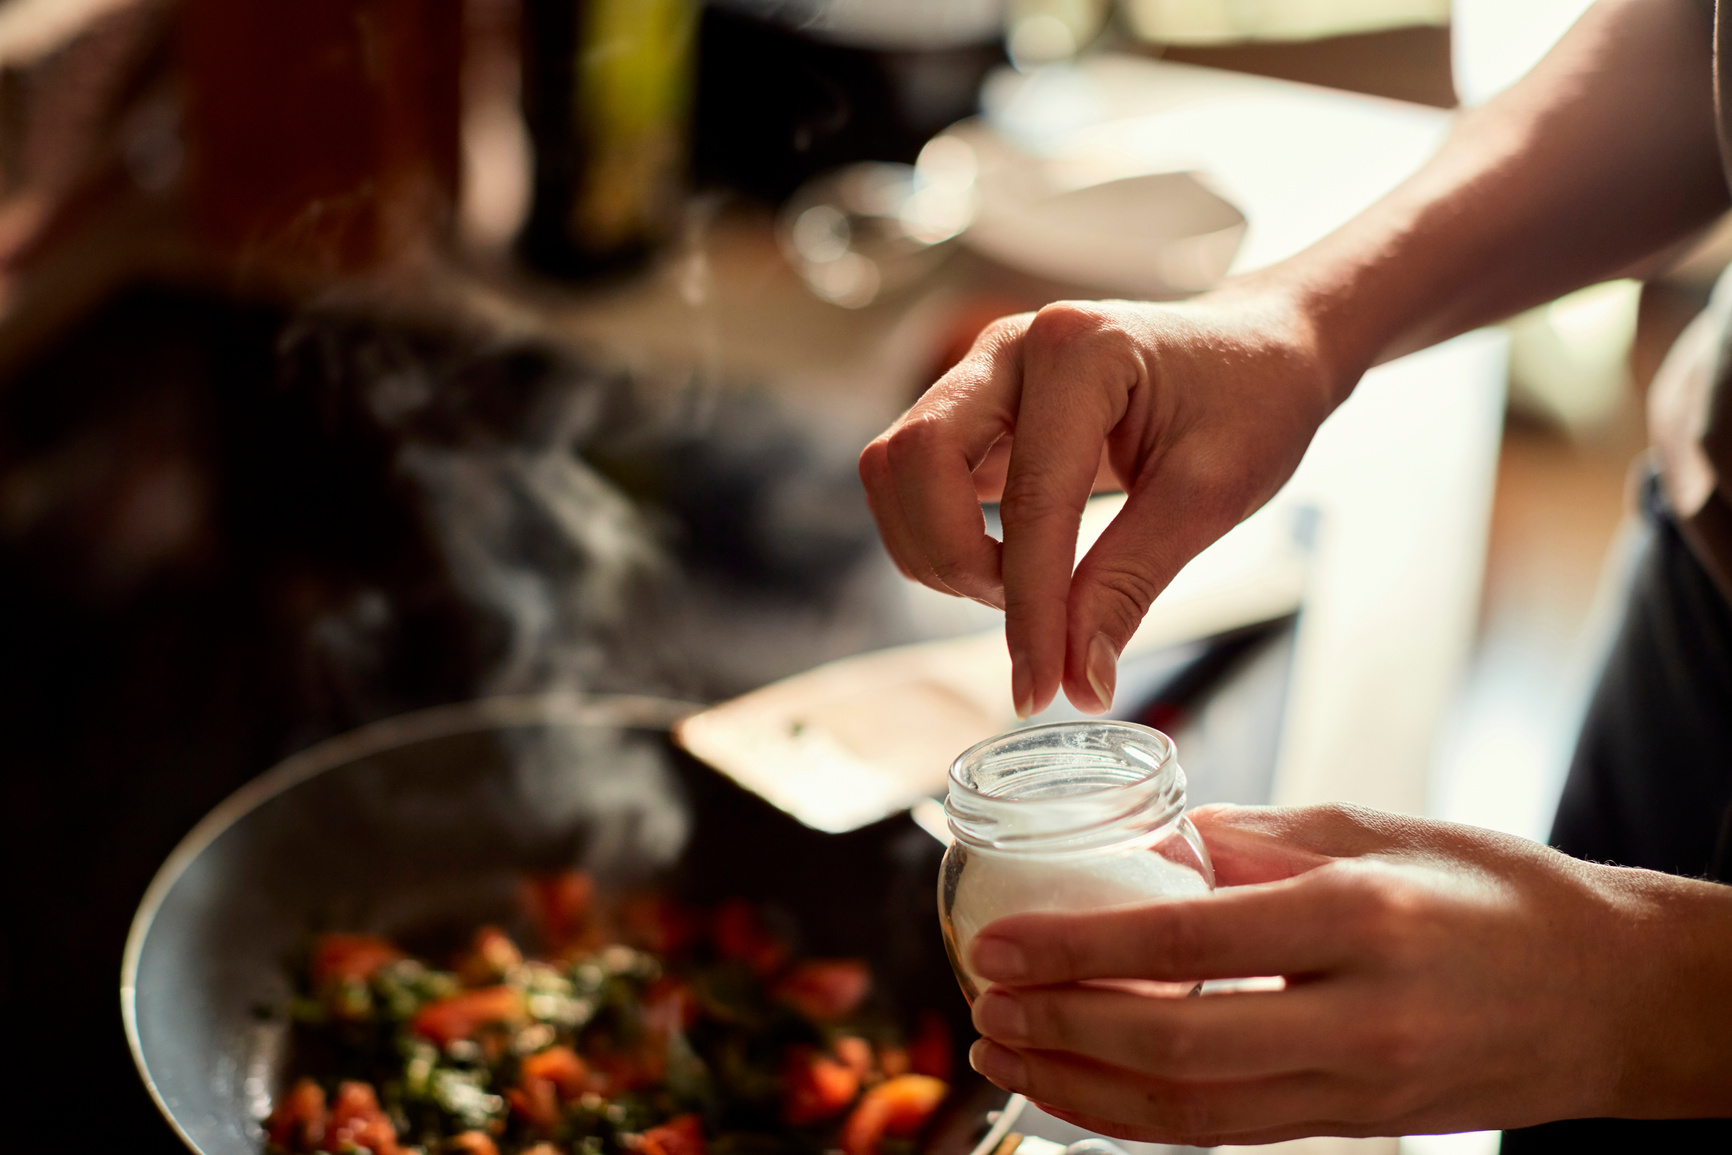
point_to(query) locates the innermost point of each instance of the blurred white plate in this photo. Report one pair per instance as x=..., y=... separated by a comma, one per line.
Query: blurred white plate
x=1152, y=234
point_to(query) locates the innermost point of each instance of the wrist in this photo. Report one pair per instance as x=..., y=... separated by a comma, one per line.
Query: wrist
x=1670, y=1038
x=1292, y=309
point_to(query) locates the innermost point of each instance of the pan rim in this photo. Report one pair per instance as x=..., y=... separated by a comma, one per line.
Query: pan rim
x=623, y=710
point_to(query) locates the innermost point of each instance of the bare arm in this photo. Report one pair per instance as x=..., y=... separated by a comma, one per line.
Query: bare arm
x=1603, y=155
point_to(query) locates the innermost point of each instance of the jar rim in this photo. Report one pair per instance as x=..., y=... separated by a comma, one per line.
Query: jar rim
x=1147, y=799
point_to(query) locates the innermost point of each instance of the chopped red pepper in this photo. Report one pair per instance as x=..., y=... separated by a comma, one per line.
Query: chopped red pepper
x=349, y=958
x=357, y=1121
x=464, y=1014
x=815, y=1087
x=298, y=1123
x=559, y=1066
x=825, y=989
x=473, y=1143
x=897, y=1108
x=854, y=1053
x=490, y=955
x=681, y=1135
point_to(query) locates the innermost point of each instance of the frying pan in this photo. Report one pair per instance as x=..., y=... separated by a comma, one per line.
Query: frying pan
x=420, y=826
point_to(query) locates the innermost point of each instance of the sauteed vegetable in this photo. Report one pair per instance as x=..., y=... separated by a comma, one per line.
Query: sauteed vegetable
x=650, y=1029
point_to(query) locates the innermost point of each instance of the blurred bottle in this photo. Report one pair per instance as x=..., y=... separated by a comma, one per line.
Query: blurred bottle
x=792, y=88
x=607, y=95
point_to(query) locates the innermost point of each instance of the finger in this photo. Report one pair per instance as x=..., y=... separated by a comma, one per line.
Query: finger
x=1234, y=1036
x=932, y=454
x=1295, y=927
x=1077, y=372
x=1165, y=522
x=989, y=475
x=1334, y=830
x=887, y=512
x=1245, y=851
x=885, y=502
x=1199, y=1113
x=1117, y=1130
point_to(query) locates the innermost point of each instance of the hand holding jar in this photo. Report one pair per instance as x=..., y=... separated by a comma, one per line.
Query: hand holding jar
x=1437, y=978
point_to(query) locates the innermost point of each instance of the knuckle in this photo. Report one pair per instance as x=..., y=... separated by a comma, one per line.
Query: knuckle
x=1063, y=323
x=1182, y=939
x=1030, y=496
x=1048, y=1021
x=1397, y=1045
x=952, y=566
x=1001, y=332
x=914, y=442
x=875, y=462
x=1126, y=591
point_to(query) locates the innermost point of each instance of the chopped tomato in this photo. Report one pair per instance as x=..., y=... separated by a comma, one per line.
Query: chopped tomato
x=740, y=934
x=897, y=1108
x=561, y=905
x=854, y=1053
x=490, y=955
x=349, y=958
x=478, y=1143
x=929, y=1052
x=559, y=1066
x=815, y=1087
x=464, y=1014
x=825, y=989
x=298, y=1123
x=357, y=1121
x=682, y=1135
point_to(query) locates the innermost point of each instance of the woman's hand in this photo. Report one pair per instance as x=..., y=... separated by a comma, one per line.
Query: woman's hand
x=1438, y=978
x=1202, y=411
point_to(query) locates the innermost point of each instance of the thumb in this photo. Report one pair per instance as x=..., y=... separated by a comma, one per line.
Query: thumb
x=1251, y=844
x=1245, y=851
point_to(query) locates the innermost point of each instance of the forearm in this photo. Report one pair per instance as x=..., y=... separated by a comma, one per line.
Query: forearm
x=1603, y=155
x=1674, y=952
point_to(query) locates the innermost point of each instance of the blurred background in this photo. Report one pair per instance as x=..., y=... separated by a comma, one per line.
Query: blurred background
x=364, y=355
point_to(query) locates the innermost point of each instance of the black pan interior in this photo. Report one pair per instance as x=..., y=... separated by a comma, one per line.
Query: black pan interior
x=430, y=833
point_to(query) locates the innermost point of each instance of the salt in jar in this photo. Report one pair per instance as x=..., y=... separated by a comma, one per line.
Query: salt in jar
x=1067, y=816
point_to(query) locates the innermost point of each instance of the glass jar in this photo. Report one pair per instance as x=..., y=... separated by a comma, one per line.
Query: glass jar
x=1067, y=816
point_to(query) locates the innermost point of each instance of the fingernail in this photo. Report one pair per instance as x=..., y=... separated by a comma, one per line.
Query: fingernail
x=1103, y=670
x=1021, y=685
x=998, y=959
x=1000, y=1065
x=1001, y=1016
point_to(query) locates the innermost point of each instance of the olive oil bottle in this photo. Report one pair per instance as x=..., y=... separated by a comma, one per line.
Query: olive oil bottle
x=607, y=91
